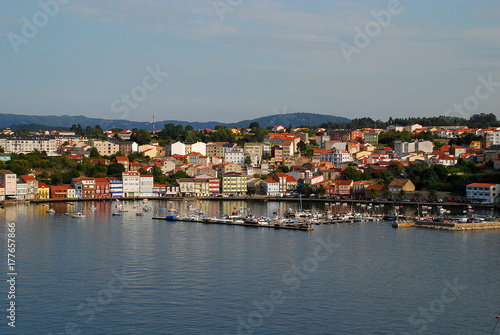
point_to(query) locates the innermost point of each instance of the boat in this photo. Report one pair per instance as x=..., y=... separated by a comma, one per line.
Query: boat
x=162, y=209
x=123, y=210
x=140, y=214
x=78, y=215
x=93, y=208
x=117, y=214
x=171, y=218
x=71, y=203
x=51, y=211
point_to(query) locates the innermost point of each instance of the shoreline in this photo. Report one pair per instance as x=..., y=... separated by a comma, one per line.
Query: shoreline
x=259, y=198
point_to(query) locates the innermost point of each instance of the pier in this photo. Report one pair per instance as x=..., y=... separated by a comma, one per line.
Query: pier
x=303, y=227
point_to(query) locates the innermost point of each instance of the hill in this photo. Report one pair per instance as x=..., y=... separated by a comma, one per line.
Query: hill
x=66, y=121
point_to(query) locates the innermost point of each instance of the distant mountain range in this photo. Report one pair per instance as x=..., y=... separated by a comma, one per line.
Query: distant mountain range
x=66, y=121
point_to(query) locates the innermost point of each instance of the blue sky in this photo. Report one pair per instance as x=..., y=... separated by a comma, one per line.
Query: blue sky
x=249, y=58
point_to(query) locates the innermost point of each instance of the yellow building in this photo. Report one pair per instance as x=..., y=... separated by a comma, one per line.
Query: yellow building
x=475, y=145
x=43, y=191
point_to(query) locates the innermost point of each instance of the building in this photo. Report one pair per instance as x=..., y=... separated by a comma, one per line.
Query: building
x=186, y=186
x=403, y=148
x=234, y=183
x=234, y=155
x=8, y=180
x=131, y=183
x=273, y=187
x=88, y=188
x=398, y=185
x=21, y=189
x=146, y=185
x=59, y=192
x=26, y=144
x=106, y=148
x=115, y=187
x=344, y=188
x=102, y=188
x=78, y=186
x=43, y=191
x=483, y=192
x=32, y=185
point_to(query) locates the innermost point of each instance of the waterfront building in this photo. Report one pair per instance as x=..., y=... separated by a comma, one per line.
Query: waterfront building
x=8, y=180
x=115, y=187
x=59, y=192
x=234, y=183
x=131, y=183
x=272, y=187
x=146, y=184
x=102, y=188
x=43, y=191
x=159, y=190
x=186, y=186
x=32, y=185
x=483, y=192
x=78, y=186
x=88, y=188
x=21, y=189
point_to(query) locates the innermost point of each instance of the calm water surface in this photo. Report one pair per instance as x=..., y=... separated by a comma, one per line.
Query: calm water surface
x=133, y=275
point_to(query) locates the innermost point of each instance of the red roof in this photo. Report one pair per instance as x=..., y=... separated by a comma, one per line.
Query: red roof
x=481, y=185
x=271, y=180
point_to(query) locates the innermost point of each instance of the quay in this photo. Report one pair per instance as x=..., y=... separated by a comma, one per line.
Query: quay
x=455, y=226
x=302, y=227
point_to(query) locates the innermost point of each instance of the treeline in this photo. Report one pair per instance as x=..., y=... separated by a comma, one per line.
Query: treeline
x=481, y=120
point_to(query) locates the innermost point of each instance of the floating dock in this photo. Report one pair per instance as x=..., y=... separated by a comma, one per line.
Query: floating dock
x=303, y=227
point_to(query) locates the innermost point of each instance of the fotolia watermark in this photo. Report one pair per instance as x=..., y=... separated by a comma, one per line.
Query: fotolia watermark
x=93, y=306
x=30, y=29
x=293, y=279
x=221, y=7
x=471, y=103
x=139, y=93
x=436, y=307
x=372, y=29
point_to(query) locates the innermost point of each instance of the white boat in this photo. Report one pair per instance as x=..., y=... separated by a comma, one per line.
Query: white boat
x=51, y=211
x=78, y=215
x=93, y=208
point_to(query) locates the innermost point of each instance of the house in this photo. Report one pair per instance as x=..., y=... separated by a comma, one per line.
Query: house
x=106, y=148
x=343, y=187
x=21, y=189
x=186, y=186
x=32, y=184
x=159, y=190
x=78, y=186
x=102, y=188
x=483, y=192
x=115, y=187
x=58, y=192
x=398, y=185
x=146, y=184
x=272, y=187
x=5, y=157
x=88, y=188
x=131, y=181
x=457, y=151
x=43, y=191
x=8, y=180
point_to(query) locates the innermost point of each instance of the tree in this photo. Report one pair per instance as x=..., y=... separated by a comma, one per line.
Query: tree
x=402, y=194
x=387, y=194
x=248, y=160
x=433, y=194
x=373, y=193
x=115, y=170
x=94, y=153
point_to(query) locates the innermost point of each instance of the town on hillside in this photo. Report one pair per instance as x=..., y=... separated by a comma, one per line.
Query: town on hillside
x=412, y=162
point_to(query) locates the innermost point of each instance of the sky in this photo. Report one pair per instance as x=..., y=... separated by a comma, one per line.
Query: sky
x=233, y=60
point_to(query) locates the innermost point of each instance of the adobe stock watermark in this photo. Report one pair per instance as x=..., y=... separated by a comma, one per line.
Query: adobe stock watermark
x=372, y=29
x=436, y=307
x=95, y=305
x=221, y=7
x=139, y=93
x=292, y=278
x=472, y=102
x=30, y=29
